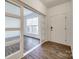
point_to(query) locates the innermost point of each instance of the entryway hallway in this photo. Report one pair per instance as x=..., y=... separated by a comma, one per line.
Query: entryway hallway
x=50, y=50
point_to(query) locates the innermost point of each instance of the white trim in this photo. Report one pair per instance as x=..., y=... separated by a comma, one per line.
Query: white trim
x=33, y=49
x=22, y=29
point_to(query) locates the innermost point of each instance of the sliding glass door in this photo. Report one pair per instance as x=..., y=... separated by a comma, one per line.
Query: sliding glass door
x=13, y=30
x=23, y=29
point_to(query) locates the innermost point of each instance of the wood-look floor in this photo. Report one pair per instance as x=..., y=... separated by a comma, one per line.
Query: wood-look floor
x=29, y=43
x=50, y=50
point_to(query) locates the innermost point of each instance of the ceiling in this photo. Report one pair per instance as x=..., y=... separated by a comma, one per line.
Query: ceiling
x=51, y=3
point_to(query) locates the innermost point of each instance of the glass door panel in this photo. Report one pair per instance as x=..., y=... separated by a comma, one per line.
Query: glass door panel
x=12, y=22
x=31, y=35
x=12, y=31
x=12, y=42
x=10, y=8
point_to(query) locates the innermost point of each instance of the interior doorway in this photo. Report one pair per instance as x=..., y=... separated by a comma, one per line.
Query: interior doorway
x=31, y=30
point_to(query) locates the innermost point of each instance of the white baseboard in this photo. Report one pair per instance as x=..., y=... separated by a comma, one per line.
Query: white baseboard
x=59, y=43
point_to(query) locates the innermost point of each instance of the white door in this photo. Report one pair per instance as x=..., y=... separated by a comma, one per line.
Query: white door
x=58, y=29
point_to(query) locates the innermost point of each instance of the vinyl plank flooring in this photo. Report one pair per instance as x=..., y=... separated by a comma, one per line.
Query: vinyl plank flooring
x=30, y=42
x=50, y=50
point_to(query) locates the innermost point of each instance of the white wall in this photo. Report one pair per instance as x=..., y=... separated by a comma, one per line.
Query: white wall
x=37, y=5
x=66, y=9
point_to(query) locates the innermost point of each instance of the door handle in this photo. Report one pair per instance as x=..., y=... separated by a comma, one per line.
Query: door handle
x=51, y=28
